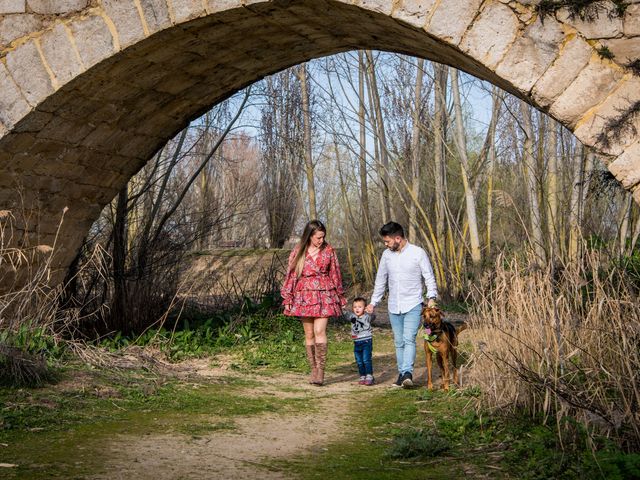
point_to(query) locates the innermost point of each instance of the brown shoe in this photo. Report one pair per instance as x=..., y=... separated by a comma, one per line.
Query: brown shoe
x=321, y=358
x=311, y=358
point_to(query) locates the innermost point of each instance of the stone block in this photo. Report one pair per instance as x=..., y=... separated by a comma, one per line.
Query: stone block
x=491, y=34
x=55, y=7
x=452, y=18
x=602, y=27
x=532, y=54
x=67, y=131
x=631, y=23
x=126, y=18
x=13, y=27
x=20, y=143
x=60, y=53
x=184, y=10
x=626, y=168
x=13, y=106
x=612, y=108
x=214, y=6
x=156, y=14
x=28, y=71
x=382, y=6
x=33, y=122
x=93, y=39
x=414, y=12
x=12, y=6
x=573, y=57
x=625, y=49
x=591, y=86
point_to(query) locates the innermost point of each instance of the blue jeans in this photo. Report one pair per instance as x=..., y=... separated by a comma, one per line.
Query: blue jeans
x=405, y=328
x=362, y=351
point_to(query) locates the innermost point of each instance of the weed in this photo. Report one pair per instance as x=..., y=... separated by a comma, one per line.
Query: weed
x=417, y=444
x=604, y=52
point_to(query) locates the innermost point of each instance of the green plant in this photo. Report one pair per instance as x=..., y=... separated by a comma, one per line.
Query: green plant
x=604, y=52
x=418, y=444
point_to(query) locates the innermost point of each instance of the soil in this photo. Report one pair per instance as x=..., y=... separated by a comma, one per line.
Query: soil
x=248, y=451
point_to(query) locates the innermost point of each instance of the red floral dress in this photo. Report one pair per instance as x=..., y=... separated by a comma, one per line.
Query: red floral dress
x=318, y=291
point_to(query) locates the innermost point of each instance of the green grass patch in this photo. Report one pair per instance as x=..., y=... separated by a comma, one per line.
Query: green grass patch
x=417, y=434
x=391, y=437
x=62, y=431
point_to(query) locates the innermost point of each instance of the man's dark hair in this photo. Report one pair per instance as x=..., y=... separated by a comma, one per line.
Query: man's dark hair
x=359, y=299
x=392, y=229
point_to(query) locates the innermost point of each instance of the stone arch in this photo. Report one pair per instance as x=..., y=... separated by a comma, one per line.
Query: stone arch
x=91, y=89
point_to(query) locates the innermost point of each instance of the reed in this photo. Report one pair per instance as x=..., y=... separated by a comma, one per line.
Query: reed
x=561, y=342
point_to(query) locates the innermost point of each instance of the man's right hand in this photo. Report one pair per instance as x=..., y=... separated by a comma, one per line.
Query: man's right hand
x=369, y=308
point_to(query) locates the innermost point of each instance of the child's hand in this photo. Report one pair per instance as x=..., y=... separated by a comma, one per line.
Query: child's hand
x=369, y=308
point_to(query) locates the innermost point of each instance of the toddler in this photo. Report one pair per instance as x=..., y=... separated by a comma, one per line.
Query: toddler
x=362, y=339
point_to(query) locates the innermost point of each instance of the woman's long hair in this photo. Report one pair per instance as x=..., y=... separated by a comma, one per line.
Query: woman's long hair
x=309, y=230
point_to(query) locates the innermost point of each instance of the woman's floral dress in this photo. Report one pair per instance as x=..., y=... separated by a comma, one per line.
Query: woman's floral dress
x=318, y=291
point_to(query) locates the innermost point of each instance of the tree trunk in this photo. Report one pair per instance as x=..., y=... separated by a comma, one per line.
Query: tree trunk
x=469, y=195
x=378, y=123
x=415, y=149
x=529, y=164
x=624, y=222
x=368, y=250
x=552, y=186
x=496, y=95
x=574, y=205
x=119, y=255
x=308, y=158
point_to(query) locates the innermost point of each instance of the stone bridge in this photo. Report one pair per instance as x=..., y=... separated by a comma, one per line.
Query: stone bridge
x=91, y=89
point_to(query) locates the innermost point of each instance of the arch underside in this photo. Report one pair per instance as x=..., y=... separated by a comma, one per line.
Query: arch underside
x=78, y=147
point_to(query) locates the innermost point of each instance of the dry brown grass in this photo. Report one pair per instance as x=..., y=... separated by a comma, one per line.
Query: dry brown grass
x=561, y=344
x=30, y=313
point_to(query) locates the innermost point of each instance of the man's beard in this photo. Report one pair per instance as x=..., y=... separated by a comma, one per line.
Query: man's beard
x=394, y=247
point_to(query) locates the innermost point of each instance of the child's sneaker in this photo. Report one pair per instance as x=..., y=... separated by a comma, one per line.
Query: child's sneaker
x=362, y=381
x=369, y=380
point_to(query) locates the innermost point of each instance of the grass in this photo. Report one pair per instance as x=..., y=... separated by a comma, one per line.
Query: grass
x=66, y=430
x=91, y=407
x=398, y=435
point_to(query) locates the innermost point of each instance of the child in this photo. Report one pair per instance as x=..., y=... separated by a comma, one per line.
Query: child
x=362, y=339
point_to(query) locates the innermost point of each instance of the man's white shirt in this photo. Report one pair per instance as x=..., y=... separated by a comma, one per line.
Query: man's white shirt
x=404, y=271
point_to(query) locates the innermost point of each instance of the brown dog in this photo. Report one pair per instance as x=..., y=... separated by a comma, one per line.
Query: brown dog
x=441, y=336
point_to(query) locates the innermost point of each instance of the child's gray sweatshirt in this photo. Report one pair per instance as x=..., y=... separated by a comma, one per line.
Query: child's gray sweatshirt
x=361, y=326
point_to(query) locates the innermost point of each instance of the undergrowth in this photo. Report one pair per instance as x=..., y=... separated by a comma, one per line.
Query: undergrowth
x=257, y=331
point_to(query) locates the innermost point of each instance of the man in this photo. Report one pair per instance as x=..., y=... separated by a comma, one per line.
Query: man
x=402, y=267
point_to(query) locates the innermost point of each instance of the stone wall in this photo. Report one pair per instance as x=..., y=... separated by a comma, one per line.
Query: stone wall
x=90, y=89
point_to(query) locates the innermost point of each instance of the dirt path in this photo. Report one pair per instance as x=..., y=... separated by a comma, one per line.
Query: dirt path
x=249, y=449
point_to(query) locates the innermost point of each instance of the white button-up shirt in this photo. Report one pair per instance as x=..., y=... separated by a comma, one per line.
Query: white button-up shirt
x=404, y=271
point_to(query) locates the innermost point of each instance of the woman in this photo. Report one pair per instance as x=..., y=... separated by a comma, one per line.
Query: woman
x=313, y=291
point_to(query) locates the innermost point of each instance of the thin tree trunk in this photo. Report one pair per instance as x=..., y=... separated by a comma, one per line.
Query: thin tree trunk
x=368, y=250
x=529, y=164
x=362, y=157
x=308, y=160
x=496, y=95
x=552, y=187
x=469, y=195
x=441, y=72
x=624, y=223
x=574, y=205
x=378, y=122
x=415, y=149
x=119, y=256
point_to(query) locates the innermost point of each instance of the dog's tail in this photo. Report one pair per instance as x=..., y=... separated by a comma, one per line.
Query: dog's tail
x=460, y=327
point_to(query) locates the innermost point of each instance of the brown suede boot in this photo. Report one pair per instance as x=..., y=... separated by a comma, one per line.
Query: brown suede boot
x=311, y=357
x=321, y=358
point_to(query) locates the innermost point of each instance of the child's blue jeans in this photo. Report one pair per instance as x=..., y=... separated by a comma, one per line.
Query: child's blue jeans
x=362, y=351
